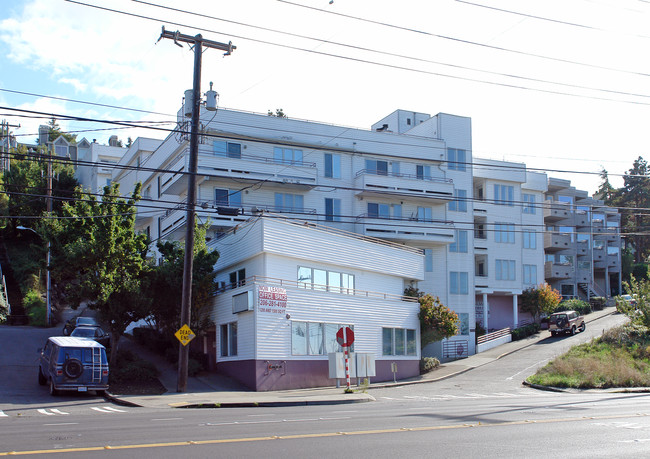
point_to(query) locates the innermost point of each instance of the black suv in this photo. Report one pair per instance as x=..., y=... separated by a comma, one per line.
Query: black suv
x=77, y=322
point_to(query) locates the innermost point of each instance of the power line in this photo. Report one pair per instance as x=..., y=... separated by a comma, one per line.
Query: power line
x=386, y=53
x=392, y=66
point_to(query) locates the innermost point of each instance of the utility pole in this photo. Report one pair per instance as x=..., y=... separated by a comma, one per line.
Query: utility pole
x=199, y=42
x=48, y=279
x=5, y=144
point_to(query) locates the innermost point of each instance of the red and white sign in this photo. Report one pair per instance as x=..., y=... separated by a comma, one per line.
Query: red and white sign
x=345, y=337
x=272, y=299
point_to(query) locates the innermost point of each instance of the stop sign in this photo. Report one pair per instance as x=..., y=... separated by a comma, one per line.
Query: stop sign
x=347, y=340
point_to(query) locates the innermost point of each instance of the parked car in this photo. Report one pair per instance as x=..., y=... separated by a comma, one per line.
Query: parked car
x=73, y=364
x=78, y=321
x=629, y=299
x=95, y=333
x=566, y=322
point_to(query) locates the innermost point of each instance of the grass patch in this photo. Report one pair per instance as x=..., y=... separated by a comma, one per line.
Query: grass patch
x=620, y=358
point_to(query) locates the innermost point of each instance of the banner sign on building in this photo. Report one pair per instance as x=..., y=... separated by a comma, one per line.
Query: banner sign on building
x=272, y=299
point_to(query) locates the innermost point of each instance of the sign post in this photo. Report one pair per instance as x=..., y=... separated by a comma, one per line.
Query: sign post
x=345, y=338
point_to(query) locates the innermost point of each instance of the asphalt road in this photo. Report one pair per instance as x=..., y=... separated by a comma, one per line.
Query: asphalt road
x=485, y=412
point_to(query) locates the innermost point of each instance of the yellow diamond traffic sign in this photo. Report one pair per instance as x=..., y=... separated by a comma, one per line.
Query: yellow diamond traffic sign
x=184, y=335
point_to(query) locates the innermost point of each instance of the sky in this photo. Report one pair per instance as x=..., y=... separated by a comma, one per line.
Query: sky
x=561, y=85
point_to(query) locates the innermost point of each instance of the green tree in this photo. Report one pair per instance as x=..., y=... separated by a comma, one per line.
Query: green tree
x=55, y=132
x=101, y=259
x=436, y=320
x=166, y=282
x=542, y=299
x=640, y=290
x=635, y=195
x=606, y=192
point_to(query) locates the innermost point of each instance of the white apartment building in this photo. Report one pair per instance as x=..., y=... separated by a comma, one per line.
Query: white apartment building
x=411, y=180
x=95, y=163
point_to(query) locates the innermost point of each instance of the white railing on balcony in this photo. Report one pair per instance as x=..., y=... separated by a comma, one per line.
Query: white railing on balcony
x=406, y=176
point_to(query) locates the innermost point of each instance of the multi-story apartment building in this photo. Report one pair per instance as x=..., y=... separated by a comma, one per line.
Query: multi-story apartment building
x=582, y=244
x=95, y=163
x=410, y=180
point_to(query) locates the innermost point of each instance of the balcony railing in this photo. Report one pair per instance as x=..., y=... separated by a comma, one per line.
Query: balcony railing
x=406, y=176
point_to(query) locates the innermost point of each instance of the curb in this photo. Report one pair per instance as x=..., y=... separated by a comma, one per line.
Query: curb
x=273, y=404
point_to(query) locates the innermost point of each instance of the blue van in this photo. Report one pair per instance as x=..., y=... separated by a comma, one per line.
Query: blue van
x=73, y=364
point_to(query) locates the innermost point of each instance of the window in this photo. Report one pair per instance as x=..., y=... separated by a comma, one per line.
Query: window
x=428, y=260
x=504, y=195
x=529, y=204
x=456, y=159
x=397, y=210
x=460, y=242
x=287, y=155
x=332, y=210
x=459, y=204
x=505, y=270
x=229, y=198
x=376, y=167
x=320, y=279
x=376, y=210
x=237, y=278
x=398, y=341
x=463, y=323
x=286, y=202
x=530, y=274
x=314, y=338
x=458, y=283
x=229, y=339
x=424, y=214
x=504, y=233
x=423, y=172
x=332, y=165
x=530, y=239
x=226, y=149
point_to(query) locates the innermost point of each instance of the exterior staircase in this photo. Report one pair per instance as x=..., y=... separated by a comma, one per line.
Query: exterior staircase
x=17, y=314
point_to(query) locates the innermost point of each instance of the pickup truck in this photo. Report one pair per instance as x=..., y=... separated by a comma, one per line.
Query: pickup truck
x=566, y=322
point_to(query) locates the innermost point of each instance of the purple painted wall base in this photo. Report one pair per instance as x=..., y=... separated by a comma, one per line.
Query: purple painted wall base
x=265, y=375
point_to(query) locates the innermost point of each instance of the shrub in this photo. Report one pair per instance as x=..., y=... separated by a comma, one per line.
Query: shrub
x=130, y=368
x=574, y=304
x=428, y=364
x=598, y=302
x=525, y=331
x=35, y=308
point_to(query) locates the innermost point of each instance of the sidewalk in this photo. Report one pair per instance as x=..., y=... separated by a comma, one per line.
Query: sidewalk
x=217, y=391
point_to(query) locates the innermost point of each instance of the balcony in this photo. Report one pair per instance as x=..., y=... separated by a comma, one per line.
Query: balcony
x=582, y=219
x=172, y=223
x=582, y=248
x=556, y=211
x=373, y=184
x=301, y=174
x=406, y=231
x=556, y=271
x=554, y=242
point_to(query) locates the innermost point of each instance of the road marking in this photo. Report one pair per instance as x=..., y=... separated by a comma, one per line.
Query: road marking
x=168, y=419
x=45, y=412
x=56, y=411
x=114, y=410
x=478, y=395
x=396, y=430
x=62, y=424
x=101, y=410
x=528, y=368
x=3, y=415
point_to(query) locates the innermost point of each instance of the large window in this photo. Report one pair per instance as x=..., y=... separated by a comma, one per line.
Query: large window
x=505, y=270
x=398, y=341
x=504, y=233
x=237, y=278
x=315, y=338
x=224, y=197
x=332, y=210
x=423, y=172
x=530, y=239
x=287, y=155
x=504, y=195
x=424, y=214
x=286, y=202
x=460, y=242
x=530, y=274
x=332, y=165
x=227, y=149
x=456, y=159
x=321, y=279
x=529, y=203
x=458, y=283
x=459, y=204
x=229, y=339
x=376, y=210
x=374, y=166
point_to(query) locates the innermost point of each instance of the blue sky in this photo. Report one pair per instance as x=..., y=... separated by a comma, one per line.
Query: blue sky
x=446, y=62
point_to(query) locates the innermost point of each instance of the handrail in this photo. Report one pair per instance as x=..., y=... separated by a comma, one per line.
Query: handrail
x=255, y=158
x=494, y=335
x=407, y=176
x=316, y=287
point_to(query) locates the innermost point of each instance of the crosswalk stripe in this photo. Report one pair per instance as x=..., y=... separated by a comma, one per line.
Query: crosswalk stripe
x=3, y=415
x=56, y=411
x=115, y=410
x=45, y=412
x=101, y=410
